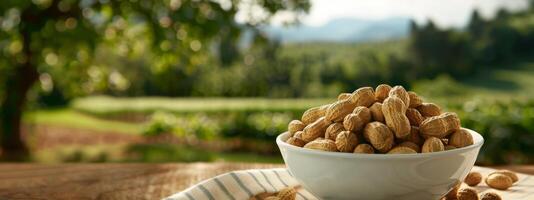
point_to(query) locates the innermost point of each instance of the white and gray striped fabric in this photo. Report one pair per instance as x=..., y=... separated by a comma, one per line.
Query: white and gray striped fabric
x=241, y=185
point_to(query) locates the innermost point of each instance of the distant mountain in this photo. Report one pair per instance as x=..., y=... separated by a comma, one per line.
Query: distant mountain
x=343, y=30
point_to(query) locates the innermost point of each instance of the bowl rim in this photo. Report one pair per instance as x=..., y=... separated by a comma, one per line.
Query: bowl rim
x=478, y=142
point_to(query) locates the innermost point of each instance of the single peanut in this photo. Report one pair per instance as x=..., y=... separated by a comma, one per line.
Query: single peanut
x=414, y=136
x=333, y=130
x=356, y=121
x=382, y=92
x=452, y=195
x=440, y=126
x=364, y=96
x=410, y=145
x=376, y=112
x=415, y=100
x=311, y=115
x=401, y=150
x=395, y=114
x=364, y=148
x=298, y=134
x=432, y=144
x=295, y=142
x=346, y=141
x=338, y=110
x=461, y=138
x=414, y=117
x=323, y=145
x=508, y=173
x=490, y=196
x=343, y=96
x=499, y=181
x=379, y=136
x=429, y=109
x=294, y=126
x=467, y=194
x=400, y=92
x=288, y=193
x=473, y=178
x=315, y=129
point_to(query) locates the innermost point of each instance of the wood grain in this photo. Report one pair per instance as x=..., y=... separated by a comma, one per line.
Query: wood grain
x=117, y=181
x=107, y=181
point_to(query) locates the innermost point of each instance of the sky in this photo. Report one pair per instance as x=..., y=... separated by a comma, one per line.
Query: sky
x=445, y=13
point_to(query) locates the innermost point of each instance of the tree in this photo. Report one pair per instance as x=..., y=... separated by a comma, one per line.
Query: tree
x=40, y=36
x=476, y=24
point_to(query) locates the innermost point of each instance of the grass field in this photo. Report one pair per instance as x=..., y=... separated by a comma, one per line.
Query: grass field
x=70, y=118
x=111, y=105
x=513, y=84
x=504, y=85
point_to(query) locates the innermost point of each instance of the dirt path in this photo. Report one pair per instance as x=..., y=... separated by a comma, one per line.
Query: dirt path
x=49, y=136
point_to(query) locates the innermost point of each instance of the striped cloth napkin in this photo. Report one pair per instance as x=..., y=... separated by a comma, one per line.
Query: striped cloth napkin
x=242, y=185
x=258, y=183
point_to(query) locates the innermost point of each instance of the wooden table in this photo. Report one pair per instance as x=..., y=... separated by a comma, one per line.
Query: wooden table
x=117, y=181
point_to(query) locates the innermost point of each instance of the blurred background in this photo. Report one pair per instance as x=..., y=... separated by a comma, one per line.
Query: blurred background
x=195, y=80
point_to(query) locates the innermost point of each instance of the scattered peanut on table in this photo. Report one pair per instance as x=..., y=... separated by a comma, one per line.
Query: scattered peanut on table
x=499, y=179
x=473, y=179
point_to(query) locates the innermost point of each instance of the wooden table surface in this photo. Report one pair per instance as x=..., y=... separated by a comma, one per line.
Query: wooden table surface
x=117, y=181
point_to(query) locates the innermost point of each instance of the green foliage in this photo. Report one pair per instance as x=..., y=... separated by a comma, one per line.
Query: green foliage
x=441, y=87
x=198, y=125
x=485, y=43
x=508, y=130
x=222, y=125
x=160, y=123
x=69, y=42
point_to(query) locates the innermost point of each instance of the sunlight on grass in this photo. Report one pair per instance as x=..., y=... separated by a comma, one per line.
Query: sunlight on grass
x=71, y=118
x=110, y=105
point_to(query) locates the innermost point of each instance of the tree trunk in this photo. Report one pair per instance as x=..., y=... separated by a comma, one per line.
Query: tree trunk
x=18, y=83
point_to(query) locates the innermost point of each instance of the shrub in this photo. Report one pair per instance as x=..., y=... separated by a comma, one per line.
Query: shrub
x=507, y=127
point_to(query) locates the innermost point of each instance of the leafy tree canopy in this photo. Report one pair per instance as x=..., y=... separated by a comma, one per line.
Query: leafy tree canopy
x=55, y=40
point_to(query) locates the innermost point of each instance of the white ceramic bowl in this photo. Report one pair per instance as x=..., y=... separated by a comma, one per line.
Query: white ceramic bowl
x=334, y=175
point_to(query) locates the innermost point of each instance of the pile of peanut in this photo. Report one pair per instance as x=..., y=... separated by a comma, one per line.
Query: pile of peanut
x=501, y=180
x=385, y=120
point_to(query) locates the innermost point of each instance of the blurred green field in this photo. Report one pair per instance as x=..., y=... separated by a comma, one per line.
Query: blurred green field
x=341, y=51
x=490, y=102
x=496, y=85
x=515, y=83
x=112, y=105
x=67, y=117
